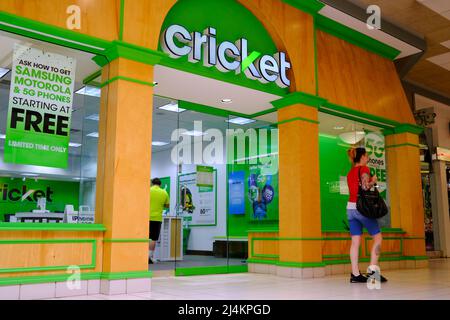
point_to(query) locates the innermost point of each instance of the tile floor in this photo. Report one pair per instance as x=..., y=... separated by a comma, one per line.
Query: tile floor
x=432, y=283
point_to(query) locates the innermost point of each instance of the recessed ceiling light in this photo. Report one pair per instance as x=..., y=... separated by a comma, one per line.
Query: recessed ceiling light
x=3, y=72
x=159, y=143
x=93, y=135
x=226, y=100
x=173, y=107
x=90, y=91
x=74, y=145
x=240, y=121
x=194, y=133
x=338, y=128
x=2, y=136
x=94, y=117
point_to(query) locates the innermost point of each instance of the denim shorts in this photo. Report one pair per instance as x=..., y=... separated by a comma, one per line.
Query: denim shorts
x=357, y=221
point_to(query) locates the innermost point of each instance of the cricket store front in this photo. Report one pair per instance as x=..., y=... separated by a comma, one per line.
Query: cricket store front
x=244, y=109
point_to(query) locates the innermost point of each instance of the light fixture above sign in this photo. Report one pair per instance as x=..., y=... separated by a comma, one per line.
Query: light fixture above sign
x=352, y=137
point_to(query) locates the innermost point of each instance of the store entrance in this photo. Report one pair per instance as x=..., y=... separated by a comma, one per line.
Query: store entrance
x=204, y=230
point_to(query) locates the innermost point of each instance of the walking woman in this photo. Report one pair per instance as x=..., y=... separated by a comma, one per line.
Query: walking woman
x=356, y=220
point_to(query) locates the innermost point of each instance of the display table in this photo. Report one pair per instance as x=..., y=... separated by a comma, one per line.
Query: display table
x=48, y=217
x=170, y=244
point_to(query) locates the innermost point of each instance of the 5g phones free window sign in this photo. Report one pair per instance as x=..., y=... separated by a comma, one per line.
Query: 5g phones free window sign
x=197, y=202
x=375, y=147
x=40, y=108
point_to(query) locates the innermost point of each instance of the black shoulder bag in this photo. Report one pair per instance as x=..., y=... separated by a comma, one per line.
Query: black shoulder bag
x=370, y=204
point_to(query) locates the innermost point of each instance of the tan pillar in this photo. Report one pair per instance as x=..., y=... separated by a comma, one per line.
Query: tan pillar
x=300, y=231
x=404, y=183
x=123, y=182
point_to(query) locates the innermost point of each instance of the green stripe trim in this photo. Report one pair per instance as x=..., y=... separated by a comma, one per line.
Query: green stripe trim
x=125, y=240
x=289, y=263
x=12, y=281
x=309, y=6
x=343, y=261
x=274, y=230
x=354, y=37
x=333, y=256
x=126, y=275
x=145, y=83
x=262, y=113
x=415, y=258
x=92, y=265
x=196, y=271
x=354, y=115
x=298, y=119
x=269, y=256
x=403, y=145
x=22, y=226
x=298, y=98
x=48, y=33
x=121, y=22
x=301, y=264
x=89, y=79
x=404, y=128
x=231, y=238
x=121, y=49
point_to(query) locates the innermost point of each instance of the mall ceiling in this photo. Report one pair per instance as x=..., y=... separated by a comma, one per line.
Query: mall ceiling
x=413, y=21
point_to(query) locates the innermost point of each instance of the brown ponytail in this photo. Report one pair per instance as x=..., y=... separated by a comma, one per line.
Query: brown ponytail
x=351, y=155
x=355, y=155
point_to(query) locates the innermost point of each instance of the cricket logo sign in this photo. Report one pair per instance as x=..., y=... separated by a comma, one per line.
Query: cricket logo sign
x=40, y=108
x=178, y=42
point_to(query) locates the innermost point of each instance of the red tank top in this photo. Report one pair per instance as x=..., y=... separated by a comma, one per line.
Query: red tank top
x=353, y=181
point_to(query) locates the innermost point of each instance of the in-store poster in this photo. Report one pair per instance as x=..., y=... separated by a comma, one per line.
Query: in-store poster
x=17, y=195
x=205, y=177
x=196, y=201
x=236, y=192
x=40, y=108
x=261, y=192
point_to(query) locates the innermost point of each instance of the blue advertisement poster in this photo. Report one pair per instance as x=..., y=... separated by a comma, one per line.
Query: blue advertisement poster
x=236, y=194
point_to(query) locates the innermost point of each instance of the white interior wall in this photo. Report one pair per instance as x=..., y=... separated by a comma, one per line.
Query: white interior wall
x=201, y=238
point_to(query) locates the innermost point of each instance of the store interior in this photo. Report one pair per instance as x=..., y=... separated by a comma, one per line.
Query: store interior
x=205, y=226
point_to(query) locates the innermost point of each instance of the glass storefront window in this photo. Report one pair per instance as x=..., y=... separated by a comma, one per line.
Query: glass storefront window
x=336, y=136
x=221, y=174
x=37, y=187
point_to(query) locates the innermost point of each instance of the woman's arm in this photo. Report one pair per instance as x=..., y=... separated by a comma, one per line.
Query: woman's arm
x=367, y=182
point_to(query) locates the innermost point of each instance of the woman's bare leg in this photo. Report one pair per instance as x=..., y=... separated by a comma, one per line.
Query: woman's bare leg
x=354, y=254
x=376, y=249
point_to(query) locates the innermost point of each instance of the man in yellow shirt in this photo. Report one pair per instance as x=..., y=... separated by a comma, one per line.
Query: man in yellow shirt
x=159, y=199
